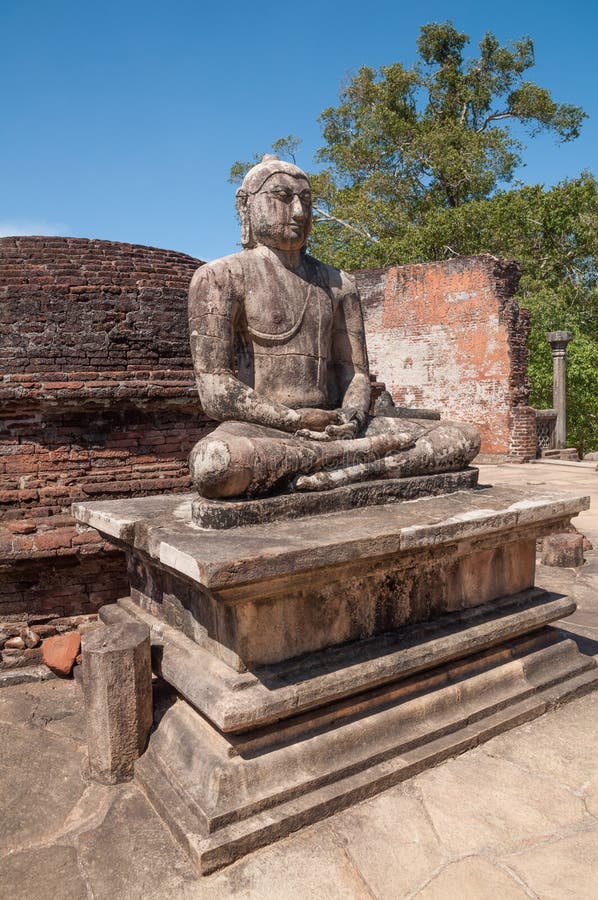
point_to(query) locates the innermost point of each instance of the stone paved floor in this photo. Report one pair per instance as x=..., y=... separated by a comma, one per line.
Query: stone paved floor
x=514, y=818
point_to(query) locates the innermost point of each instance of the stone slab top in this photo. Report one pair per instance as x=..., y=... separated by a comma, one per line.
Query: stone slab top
x=161, y=527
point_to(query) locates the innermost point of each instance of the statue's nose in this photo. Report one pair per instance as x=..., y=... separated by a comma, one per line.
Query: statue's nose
x=297, y=209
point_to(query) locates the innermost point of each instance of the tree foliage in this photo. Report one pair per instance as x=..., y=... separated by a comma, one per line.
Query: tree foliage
x=404, y=142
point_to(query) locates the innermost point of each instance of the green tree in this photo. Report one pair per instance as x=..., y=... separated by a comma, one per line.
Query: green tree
x=407, y=141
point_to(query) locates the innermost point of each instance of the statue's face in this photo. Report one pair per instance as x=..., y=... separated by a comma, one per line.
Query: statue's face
x=281, y=212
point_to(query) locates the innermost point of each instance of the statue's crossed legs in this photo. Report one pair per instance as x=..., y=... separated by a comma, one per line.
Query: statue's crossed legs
x=238, y=459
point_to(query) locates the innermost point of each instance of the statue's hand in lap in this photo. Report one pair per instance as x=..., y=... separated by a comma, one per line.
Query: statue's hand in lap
x=317, y=419
x=325, y=425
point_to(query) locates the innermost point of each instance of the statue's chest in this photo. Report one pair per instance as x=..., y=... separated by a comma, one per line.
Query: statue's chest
x=288, y=312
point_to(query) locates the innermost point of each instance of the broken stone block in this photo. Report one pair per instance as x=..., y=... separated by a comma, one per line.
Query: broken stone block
x=117, y=687
x=59, y=652
x=563, y=549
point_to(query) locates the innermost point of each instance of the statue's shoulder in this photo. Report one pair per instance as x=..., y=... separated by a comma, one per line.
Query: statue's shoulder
x=227, y=270
x=338, y=281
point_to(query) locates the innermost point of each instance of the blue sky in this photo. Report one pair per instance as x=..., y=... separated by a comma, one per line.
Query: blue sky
x=120, y=120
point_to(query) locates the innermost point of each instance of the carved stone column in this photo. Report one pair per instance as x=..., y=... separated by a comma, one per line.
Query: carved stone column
x=558, y=341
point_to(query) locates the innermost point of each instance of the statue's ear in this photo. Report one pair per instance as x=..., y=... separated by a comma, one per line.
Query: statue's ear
x=242, y=203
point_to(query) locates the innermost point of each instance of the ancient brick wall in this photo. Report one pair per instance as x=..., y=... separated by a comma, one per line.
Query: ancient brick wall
x=97, y=400
x=450, y=336
x=74, y=305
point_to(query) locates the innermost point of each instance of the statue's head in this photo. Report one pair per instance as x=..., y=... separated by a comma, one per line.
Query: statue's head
x=274, y=205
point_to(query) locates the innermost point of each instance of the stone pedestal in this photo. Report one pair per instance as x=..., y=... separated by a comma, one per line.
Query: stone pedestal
x=315, y=662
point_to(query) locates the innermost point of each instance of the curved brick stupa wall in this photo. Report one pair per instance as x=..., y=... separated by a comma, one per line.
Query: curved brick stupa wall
x=97, y=401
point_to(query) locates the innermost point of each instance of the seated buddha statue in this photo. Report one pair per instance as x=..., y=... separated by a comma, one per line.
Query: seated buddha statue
x=280, y=359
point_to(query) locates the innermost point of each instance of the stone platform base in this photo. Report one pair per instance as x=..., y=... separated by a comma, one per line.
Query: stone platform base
x=312, y=663
x=235, y=513
x=262, y=594
x=308, y=737
x=223, y=797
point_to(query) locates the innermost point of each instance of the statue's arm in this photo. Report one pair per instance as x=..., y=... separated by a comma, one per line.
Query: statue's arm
x=349, y=351
x=213, y=306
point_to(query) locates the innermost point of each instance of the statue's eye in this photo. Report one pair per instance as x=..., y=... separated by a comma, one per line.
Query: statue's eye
x=305, y=197
x=282, y=195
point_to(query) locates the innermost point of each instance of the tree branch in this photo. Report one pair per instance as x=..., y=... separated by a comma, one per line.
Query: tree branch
x=492, y=118
x=362, y=232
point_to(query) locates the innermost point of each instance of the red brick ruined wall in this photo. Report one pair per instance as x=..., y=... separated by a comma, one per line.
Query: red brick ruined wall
x=450, y=336
x=97, y=401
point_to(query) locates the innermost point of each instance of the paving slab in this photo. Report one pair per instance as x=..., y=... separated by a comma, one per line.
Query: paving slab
x=393, y=842
x=564, y=868
x=482, y=803
x=471, y=879
x=43, y=872
x=564, y=755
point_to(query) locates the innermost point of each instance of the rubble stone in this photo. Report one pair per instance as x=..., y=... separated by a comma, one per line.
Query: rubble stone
x=59, y=652
x=563, y=549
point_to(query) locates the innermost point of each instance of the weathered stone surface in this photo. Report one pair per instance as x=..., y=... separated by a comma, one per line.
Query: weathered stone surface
x=118, y=699
x=330, y=875
x=268, y=694
x=392, y=842
x=260, y=594
x=558, y=341
x=278, y=347
x=471, y=879
x=385, y=406
x=382, y=848
x=563, y=549
x=15, y=643
x=43, y=872
x=502, y=805
x=565, y=867
x=31, y=638
x=225, y=797
x=31, y=789
x=234, y=513
x=25, y=675
x=116, y=854
x=563, y=753
x=59, y=652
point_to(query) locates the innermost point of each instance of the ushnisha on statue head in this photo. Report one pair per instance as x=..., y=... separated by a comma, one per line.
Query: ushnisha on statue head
x=274, y=204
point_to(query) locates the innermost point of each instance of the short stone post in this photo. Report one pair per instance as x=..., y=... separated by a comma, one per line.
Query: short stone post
x=558, y=341
x=117, y=688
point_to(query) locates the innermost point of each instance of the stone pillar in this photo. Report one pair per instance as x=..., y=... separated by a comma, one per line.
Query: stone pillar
x=558, y=341
x=117, y=688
